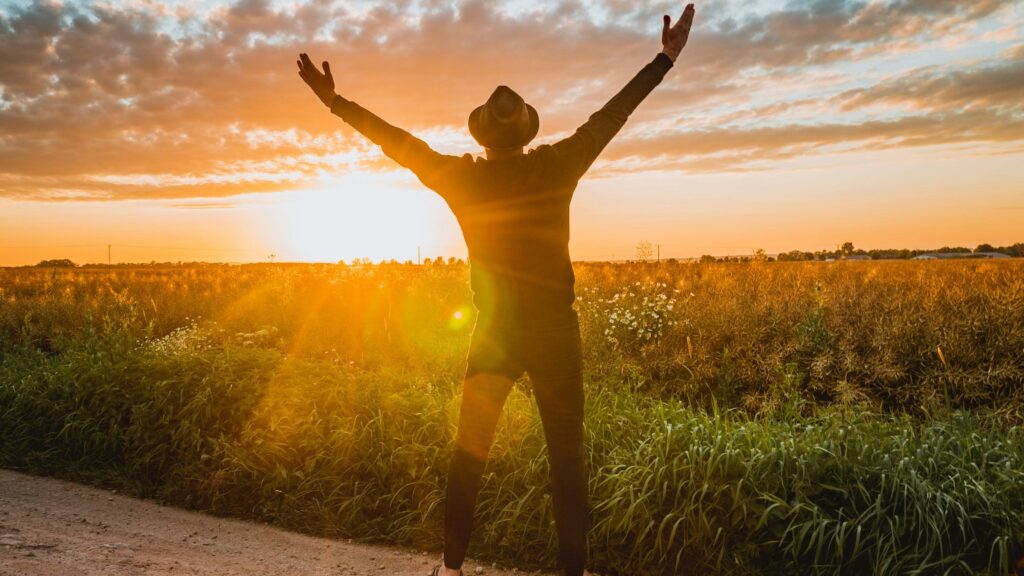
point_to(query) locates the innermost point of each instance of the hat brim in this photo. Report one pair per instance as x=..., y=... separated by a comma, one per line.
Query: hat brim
x=506, y=136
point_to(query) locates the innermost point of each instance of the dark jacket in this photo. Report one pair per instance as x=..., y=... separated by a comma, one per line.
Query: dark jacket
x=514, y=211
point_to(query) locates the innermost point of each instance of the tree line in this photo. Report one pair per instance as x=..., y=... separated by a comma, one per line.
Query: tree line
x=847, y=249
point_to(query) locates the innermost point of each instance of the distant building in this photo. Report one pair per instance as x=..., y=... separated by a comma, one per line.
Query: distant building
x=959, y=255
x=849, y=257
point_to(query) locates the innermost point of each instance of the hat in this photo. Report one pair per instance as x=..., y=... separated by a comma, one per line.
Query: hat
x=504, y=121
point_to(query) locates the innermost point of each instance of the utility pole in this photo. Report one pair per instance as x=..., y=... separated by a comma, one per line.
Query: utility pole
x=417, y=255
x=108, y=255
x=659, y=253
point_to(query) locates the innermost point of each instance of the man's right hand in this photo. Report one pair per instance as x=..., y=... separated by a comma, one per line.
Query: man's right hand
x=322, y=84
x=673, y=38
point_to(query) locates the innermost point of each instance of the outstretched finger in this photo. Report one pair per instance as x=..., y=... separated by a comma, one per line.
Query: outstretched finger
x=682, y=17
x=686, y=20
x=306, y=62
x=327, y=69
x=666, y=21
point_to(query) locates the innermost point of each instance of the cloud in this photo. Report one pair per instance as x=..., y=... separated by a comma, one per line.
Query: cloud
x=203, y=205
x=979, y=104
x=149, y=101
x=738, y=148
x=995, y=84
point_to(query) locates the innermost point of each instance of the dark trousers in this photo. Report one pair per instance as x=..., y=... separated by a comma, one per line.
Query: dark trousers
x=549, y=352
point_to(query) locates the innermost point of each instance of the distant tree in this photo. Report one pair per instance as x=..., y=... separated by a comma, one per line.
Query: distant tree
x=707, y=259
x=795, y=256
x=847, y=249
x=890, y=254
x=341, y=262
x=760, y=255
x=427, y=261
x=439, y=261
x=1015, y=250
x=61, y=263
x=452, y=261
x=644, y=251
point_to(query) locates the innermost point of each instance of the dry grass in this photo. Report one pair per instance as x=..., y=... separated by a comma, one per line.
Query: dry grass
x=892, y=336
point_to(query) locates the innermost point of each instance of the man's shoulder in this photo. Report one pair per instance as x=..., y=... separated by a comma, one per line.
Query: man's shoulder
x=551, y=158
x=542, y=156
x=456, y=165
x=529, y=157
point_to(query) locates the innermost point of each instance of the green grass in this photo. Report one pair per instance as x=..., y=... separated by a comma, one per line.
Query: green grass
x=327, y=447
x=804, y=418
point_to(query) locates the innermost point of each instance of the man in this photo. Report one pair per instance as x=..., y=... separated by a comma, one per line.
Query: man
x=513, y=208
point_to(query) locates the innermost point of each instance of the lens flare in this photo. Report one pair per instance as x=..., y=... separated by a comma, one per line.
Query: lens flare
x=460, y=318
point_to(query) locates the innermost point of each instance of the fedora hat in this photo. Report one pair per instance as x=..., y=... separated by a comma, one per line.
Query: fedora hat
x=504, y=121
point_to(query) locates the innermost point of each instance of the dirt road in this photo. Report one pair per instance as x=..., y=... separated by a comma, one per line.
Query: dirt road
x=56, y=528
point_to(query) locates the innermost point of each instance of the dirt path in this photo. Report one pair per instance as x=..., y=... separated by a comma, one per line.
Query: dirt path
x=56, y=528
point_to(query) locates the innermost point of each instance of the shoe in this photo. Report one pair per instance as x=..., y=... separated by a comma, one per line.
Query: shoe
x=437, y=570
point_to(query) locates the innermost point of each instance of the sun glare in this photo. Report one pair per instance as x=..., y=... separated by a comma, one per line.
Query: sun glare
x=364, y=216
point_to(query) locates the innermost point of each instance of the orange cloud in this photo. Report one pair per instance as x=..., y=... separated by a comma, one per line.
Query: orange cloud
x=109, y=103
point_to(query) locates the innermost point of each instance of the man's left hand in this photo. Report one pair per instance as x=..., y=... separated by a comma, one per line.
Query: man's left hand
x=673, y=38
x=321, y=83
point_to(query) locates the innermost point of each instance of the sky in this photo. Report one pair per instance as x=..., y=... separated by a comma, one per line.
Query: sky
x=178, y=130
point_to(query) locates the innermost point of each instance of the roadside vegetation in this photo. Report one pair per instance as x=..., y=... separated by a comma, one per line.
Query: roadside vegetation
x=845, y=418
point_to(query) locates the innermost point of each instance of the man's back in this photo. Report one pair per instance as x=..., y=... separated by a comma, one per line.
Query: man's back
x=514, y=215
x=514, y=210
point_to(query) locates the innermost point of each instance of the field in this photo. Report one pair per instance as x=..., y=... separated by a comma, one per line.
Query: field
x=742, y=418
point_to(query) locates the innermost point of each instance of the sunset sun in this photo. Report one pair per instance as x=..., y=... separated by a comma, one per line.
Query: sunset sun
x=380, y=217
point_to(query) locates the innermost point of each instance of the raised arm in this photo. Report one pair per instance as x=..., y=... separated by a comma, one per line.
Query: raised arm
x=578, y=152
x=410, y=152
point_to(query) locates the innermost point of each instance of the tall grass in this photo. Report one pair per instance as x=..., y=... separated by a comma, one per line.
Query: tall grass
x=345, y=451
x=857, y=418
x=890, y=336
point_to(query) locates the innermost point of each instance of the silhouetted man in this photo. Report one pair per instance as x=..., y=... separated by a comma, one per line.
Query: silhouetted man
x=513, y=208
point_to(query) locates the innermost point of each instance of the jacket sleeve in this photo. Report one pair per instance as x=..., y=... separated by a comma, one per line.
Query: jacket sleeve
x=577, y=152
x=434, y=169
